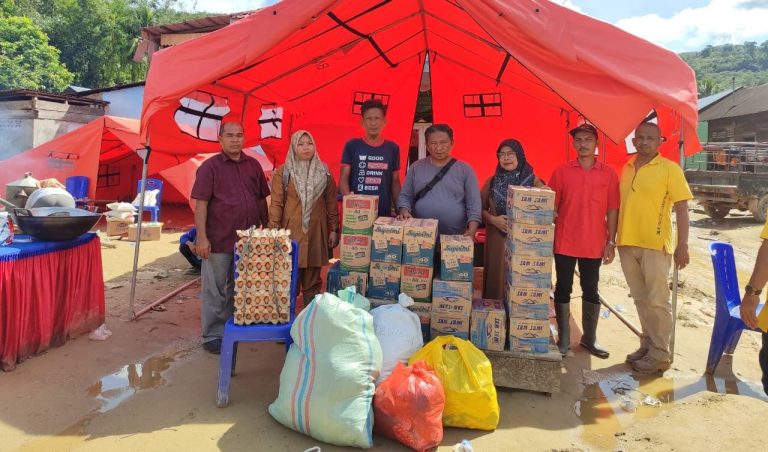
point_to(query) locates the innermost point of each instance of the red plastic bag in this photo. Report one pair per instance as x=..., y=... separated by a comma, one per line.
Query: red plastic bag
x=408, y=406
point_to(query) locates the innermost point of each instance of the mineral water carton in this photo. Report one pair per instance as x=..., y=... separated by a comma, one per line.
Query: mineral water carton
x=527, y=302
x=531, y=239
x=530, y=205
x=488, y=329
x=443, y=324
x=452, y=297
x=528, y=271
x=528, y=335
x=355, y=252
x=416, y=282
x=384, y=281
x=358, y=214
x=419, y=239
x=457, y=254
x=387, y=240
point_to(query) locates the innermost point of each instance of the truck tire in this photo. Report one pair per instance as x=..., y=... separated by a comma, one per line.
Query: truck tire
x=716, y=211
x=761, y=212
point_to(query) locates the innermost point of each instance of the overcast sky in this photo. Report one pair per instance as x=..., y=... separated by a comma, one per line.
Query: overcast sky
x=679, y=25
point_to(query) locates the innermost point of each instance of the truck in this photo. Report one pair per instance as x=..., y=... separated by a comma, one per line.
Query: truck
x=732, y=175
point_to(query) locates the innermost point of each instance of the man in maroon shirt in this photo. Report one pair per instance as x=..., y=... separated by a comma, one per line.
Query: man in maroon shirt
x=587, y=206
x=230, y=193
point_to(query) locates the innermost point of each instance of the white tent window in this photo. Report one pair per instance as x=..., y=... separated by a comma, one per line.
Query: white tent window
x=271, y=122
x=200, y=115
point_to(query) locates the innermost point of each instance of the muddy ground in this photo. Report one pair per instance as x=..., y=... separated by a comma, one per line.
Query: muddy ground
x=150, y=386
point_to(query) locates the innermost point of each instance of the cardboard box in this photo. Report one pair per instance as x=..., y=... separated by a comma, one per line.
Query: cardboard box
x=375, y=302
x=419, y=239
x=355, y=252
x=443, y=324
x=338, y=279
x=358, y=214
x=452, y=297
x=530, y=205
x=531, y=239
x=384, y=281
x=387, y=240
x=424, y=311
x=527, y=335
x=528, y=271
x=488, y=324
x=528, y=303
x=117, y=226
x=416, y=282
x=457, y=253
x=149, y=231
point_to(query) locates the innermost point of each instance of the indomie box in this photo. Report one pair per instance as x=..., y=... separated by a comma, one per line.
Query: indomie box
x=488, y=329
x=384, y=281
x=528, y=335
x=530, y=205
x=387, y=240
x=419, y=238
x=456, y=258
x=416, y=282
x=452, y=297
x=355, y=252
x=527, y=302
x=443, y=324
x=358, y=214
x=528, y=271
x=531, y=239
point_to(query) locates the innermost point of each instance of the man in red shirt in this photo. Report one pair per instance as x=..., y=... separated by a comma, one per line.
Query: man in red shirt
x=587, y=206
x=230, y=193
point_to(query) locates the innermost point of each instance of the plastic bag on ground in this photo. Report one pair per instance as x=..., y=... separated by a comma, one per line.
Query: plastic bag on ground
x=470, y=396
x=327, y=381
x=408, y=406
x=399, y=333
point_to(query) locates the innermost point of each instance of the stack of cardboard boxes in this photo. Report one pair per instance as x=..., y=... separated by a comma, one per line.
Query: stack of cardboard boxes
x=452, y=292
x=386, y=259
x=416, y=271
x=358, y=214
x=528, y=265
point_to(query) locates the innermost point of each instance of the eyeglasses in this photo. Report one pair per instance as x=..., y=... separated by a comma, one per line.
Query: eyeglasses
x=506, y=155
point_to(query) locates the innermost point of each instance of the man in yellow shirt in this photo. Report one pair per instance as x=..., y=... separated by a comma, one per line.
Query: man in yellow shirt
x=752, y=298
x=650, y=186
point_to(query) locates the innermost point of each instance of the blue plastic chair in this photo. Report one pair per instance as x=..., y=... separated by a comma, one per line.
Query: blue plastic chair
x=728, y=324
x=254, y=333
x=77, y=186
x=152, y=184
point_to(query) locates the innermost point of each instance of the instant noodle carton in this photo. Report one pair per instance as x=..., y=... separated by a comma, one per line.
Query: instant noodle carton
x=387, y=240
x=527, y=302
x=384, y=282
x=416, y=282
x=358, y=214
x=452, y=297
x=338, y=279
x=531, y=239
x=424, y=311
x=530, y=205
x=528, y=335
x=457, y=254
x=355, y=252
x=443, y=324
x=528, y=271
x=488, y=324
x=419, y=238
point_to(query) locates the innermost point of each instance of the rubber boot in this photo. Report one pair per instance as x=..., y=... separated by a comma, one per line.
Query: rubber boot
x=563, y=312
x=590, y=314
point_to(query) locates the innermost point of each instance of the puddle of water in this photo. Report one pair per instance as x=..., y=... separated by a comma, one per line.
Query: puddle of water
x=613, y=404
x=111, y=390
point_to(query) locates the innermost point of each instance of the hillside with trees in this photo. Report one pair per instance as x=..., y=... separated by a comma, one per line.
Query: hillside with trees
x=720, y=67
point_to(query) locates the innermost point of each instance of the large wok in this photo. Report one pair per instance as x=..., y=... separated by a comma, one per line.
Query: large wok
x=55, y=223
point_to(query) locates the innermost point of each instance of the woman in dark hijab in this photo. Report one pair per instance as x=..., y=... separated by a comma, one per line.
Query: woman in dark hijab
x=512, y=169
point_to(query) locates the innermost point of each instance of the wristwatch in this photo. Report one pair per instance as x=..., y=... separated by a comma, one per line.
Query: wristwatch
x=749, y=290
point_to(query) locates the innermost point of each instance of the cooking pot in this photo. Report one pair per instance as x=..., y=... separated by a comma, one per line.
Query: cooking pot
x=55, y=223
x=19, y=190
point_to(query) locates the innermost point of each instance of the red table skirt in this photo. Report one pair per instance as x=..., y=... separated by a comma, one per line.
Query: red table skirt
x=48, y=298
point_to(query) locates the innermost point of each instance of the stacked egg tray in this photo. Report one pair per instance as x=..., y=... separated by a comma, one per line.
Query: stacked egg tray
x=263, y=276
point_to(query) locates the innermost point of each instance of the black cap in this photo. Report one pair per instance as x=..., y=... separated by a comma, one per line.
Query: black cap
x=585, y=127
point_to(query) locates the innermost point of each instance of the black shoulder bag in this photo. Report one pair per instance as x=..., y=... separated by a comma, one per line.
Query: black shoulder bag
x=434, y=181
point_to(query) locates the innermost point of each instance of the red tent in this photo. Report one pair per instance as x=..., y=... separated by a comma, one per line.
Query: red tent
x=528, y=69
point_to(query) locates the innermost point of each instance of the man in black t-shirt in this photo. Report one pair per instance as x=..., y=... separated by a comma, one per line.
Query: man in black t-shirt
x=371, y=165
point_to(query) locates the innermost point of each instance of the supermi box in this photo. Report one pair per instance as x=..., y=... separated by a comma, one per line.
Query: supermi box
x=530, y=205
x=387, y=240
x=416, y=282
x=355, y=252
x=488, y=329
x=419, y=238
x=452, y=297
x=359, y=213
x=457, y=253
x=528, y=271
x=384, y=281
x=531, y=239
x=527, y=335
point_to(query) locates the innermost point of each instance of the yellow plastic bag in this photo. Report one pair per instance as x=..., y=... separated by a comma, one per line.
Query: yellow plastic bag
x=470, y=396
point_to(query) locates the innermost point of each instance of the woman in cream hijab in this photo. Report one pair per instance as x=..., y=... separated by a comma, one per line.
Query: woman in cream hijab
x=305, y=203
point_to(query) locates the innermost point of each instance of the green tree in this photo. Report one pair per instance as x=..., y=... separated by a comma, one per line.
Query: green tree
x=26, y=58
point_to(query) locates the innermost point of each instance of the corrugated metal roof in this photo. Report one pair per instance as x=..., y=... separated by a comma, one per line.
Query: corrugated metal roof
x=23, y=94
x=705, y=102
x=744, y=101
x=201, y=25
